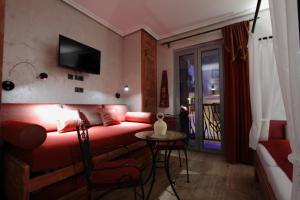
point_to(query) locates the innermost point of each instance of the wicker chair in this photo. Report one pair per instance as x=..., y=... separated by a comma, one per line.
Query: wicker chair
x=110, y=175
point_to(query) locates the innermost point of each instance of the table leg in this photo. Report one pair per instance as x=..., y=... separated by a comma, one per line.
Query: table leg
x=153, y=168
x=167, y=168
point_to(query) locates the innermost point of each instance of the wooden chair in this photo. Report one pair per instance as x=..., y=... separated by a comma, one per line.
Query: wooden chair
x=109, y=175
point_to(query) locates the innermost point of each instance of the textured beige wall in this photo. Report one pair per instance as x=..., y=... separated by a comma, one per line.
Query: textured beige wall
x=132, y=70
x=31, y=34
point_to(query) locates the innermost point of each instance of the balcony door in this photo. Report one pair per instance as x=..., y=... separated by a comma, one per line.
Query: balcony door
x=199, y=95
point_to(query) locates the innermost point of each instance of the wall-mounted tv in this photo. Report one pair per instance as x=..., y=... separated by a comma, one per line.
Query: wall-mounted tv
x=78, y=56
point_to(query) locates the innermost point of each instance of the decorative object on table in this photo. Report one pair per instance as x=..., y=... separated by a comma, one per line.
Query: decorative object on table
x=164, y=92
x=160, y=126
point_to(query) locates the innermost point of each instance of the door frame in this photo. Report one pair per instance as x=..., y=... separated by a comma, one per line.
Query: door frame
x=196, y=50
x=177, y=54
x=206, y=47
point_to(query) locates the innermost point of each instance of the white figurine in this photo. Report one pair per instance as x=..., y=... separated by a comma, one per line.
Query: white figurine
x=160, y=127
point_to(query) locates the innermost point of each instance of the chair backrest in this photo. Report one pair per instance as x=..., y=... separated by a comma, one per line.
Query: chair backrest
x=83, y=139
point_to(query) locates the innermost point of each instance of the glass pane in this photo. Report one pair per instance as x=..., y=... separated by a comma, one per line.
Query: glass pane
x=211, y=99
x=187, y=95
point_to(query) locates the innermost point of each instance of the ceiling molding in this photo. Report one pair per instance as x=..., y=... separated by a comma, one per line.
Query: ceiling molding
x=94, y=16
x=146, y=28
x=208, y=22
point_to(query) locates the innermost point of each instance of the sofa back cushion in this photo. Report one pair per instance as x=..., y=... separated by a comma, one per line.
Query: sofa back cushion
x=277, y=129
x=44, y=115
x=68, y=120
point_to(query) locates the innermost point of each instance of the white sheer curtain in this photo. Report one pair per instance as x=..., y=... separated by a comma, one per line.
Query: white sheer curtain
x=265, y=92
x=289, y=76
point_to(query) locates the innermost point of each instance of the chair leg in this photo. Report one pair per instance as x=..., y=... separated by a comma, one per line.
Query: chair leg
x=143, y=191
x=179, y=157
x=135, y=196
x=187, y=166
x=90, y=195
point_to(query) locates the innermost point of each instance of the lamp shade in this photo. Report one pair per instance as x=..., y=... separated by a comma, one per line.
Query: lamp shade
x=43, y=76
x=8, y=85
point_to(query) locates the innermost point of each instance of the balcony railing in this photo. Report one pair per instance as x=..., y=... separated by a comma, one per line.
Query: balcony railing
x=212, y=122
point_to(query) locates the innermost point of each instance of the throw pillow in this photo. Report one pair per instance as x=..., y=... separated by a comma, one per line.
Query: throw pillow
x=68, y=120
x=107, y=118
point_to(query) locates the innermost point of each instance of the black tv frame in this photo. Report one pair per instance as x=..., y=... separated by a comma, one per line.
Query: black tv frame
x=82, y=45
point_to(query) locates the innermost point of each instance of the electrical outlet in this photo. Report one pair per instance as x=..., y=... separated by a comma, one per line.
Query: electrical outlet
x=70, y=76
x=79, y=89
x=79, y=77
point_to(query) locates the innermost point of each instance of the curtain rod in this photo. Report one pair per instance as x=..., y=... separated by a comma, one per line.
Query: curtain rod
x=256, y=15
x=209, y=31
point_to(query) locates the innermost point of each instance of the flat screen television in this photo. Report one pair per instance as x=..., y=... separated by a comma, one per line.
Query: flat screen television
x=78, y=56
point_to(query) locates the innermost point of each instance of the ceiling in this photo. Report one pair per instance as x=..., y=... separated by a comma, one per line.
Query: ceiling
x=163, y=18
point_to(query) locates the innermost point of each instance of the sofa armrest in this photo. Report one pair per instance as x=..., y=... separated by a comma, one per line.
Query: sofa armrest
x=141, y=117
x=23, y=135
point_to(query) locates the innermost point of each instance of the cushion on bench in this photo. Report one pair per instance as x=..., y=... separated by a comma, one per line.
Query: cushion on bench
x=61, y=150
x=279, y=150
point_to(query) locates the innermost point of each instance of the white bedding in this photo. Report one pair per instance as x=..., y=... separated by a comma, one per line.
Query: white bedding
x=265, y=157
x=280, y=183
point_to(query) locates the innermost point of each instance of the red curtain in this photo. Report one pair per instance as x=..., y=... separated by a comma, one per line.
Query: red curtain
x=237, y=109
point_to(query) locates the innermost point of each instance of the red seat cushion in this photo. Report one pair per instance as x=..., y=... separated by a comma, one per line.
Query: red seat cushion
x=279, y=150
x=60, y=150
x=179, y=145
x=118, y=175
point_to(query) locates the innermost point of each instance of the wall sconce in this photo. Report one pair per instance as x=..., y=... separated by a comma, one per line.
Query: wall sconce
x=9, y=85
x=126, y=89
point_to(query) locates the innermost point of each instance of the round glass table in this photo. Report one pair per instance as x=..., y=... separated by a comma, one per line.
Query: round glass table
x=171, y=138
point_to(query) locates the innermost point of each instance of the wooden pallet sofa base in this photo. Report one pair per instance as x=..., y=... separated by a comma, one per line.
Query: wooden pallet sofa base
x=263, y=179
x=19, y=184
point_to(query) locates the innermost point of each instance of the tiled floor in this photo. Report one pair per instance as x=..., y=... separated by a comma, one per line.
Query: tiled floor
x=211, y=178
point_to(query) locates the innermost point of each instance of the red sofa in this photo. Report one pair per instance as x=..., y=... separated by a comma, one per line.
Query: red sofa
x=272, y=167
x=33, y=162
